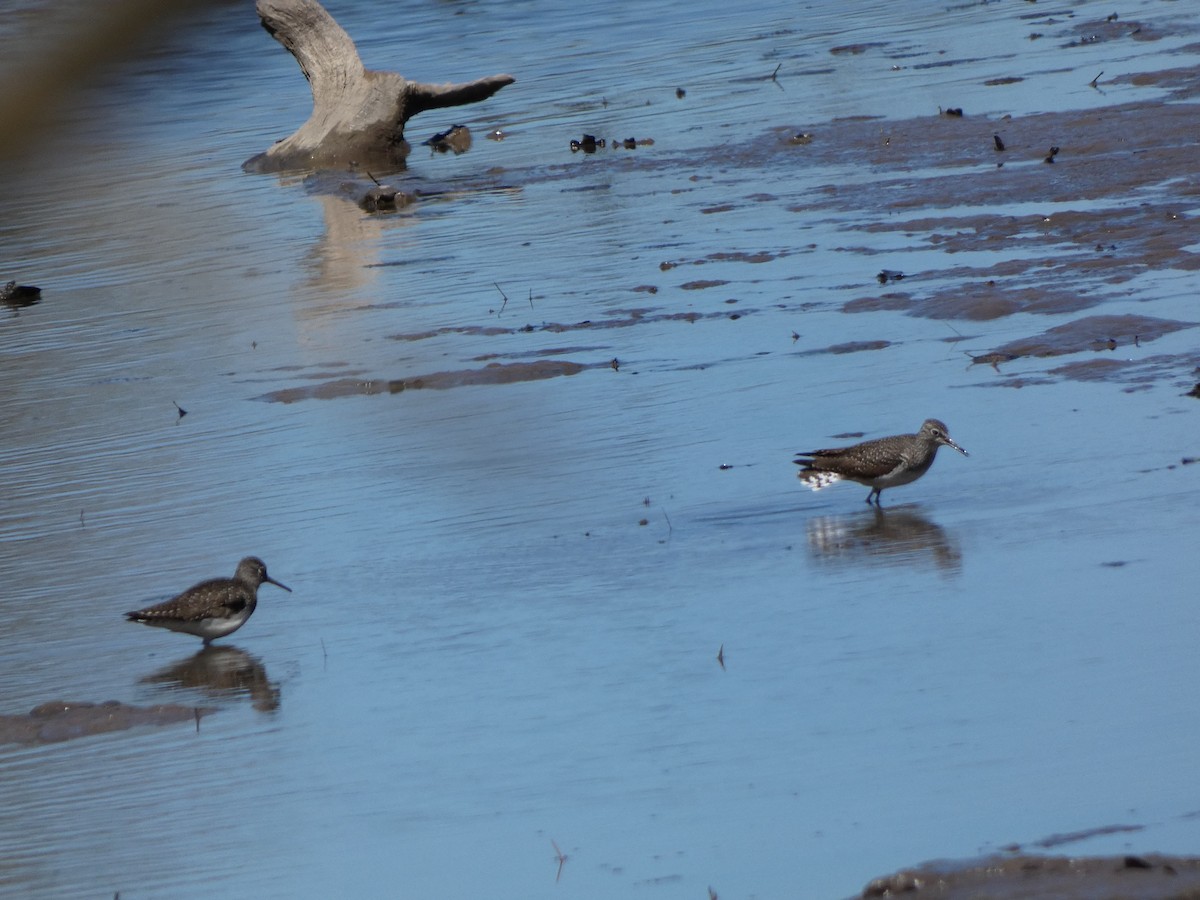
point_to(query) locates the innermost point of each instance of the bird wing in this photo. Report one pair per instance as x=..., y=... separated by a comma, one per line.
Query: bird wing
x=868, y=460
x=218, y=598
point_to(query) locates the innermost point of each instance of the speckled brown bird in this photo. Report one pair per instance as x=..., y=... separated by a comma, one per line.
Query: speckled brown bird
x=213, y=608
x=882, y=463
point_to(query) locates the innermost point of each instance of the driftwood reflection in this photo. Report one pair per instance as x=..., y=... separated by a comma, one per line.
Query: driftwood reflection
x=221, y=672
x=893, y=536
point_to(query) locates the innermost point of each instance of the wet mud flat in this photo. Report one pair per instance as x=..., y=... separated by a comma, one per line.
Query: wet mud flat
x=946, y=186
x=1067, y=211
x=1078, y=212
x=1148, y=877
x=61, y=720
x=1012, y=271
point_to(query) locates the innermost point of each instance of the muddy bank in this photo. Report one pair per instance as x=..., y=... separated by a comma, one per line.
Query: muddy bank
x=62, y=720
x=1057, y=214
x=1023, y=877
x=945, y=187
x=1077, y=210
x=492, y=372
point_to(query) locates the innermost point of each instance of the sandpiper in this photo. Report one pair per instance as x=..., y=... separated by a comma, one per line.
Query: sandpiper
x=213, y=608
x=882, y=463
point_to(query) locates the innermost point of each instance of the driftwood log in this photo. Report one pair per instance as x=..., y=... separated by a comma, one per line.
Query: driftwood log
x=358, y=115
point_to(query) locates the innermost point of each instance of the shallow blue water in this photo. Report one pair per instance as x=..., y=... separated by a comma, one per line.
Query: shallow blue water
x=486, y=654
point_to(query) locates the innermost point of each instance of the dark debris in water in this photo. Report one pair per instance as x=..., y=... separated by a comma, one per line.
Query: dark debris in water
x=588, y=144
x=456, y=139
x=19, y=296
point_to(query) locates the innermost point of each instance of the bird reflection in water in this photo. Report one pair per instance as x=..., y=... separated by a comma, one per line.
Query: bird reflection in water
x=221, y=672
x=898, y=536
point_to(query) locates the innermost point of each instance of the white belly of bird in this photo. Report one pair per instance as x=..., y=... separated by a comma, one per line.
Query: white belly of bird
x=897, y=477
x=207, y=628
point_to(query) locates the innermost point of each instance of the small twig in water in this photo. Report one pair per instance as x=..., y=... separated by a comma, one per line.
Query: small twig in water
x=504, y=295
x=374, y=179
x=531, y=298
x=561, y=857
x=1092, y=83
x=324, y=655
x=721, y=657
x=957, y=333
x=669, y=528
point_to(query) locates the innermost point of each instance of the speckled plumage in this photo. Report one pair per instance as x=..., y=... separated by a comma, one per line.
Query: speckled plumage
x=213, y=608
x=882, y=463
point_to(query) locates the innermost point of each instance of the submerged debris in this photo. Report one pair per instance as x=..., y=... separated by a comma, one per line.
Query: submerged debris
x=18, y=296
x=455, y=139
x=587, y=144
x=383, y=197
